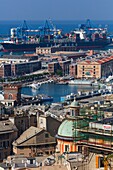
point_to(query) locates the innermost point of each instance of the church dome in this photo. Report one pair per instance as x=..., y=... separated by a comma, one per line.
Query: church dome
x=66, y=129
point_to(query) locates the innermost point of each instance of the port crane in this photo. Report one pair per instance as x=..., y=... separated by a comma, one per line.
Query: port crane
x=24, y=31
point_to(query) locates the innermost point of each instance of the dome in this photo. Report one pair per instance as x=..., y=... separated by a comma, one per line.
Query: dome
x=74, y=103
x=66, y=129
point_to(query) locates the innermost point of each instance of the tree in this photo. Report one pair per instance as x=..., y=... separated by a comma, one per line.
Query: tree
x=59, y=72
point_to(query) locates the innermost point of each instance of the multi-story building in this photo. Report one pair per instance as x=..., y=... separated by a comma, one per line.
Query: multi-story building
x=53, y=67
x=25, y=68
x=86, y=133
x=47, y=50
x=8, y=133
x=63, y=66
x=12, y=94
x=23, y=121
x=73, y=70
x=97, y=67
x=33, y=142
x=88, y=69
x=50, y=50
x=48, y=123
x=5, y=70
x=18, y=65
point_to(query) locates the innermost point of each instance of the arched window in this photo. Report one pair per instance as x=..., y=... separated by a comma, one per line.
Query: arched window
x=10, y=96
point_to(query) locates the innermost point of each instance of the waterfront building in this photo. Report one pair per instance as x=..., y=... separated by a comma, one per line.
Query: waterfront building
x=54, y=49
x=47, y=50
x=19, y=69
x=53, y=67
x=97, y=66
x=14, y=65
x=73, y=70
x=33, y=142
x=5, y=70
x=71, y=55
x=63, y=66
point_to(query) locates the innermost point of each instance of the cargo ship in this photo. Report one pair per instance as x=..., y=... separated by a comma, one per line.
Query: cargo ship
x=83, y=38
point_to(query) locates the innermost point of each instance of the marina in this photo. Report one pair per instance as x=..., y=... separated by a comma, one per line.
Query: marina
x=35, y=86
x=57, y=91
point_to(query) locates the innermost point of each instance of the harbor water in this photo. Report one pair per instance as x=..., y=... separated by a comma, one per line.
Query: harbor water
x=55, y=90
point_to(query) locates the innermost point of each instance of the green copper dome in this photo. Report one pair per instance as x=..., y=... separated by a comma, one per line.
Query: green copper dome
x=66, y=128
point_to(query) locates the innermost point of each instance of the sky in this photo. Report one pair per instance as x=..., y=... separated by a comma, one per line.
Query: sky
x=56, y=9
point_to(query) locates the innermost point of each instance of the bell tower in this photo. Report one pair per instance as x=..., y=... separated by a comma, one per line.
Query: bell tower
x=74, y=108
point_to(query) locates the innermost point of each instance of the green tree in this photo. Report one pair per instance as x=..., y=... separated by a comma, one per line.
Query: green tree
x=59, y=72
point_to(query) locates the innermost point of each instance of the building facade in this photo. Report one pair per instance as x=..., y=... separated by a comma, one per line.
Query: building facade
x=12, y=92
x=100, y=67
x=19, y=69
x=73, y=70
x=48, y=123
x=34, y=142
x=8, y=133
x=23, y=122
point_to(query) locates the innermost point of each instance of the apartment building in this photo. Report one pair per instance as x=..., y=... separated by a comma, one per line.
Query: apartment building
x=8, y=133
x=96, y=67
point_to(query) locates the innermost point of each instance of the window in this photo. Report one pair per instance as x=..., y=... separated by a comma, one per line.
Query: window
x=1, y=144
x=66, y=148
x=10, y=96
x=72, y=113
x=46, y=135
x=101, y=162
x=41, y=120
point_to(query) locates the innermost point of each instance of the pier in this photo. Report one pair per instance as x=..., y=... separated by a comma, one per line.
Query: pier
x=28, y=100
x=93, y=95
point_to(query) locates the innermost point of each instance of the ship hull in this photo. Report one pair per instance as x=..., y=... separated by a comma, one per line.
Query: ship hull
x=11, y=47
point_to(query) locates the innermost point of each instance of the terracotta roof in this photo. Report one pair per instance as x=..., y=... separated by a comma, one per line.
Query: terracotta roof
x=7, y=126
x=32, y=131
x=104, y=60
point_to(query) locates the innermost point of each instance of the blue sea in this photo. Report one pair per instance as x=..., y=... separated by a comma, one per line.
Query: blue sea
x=56, y=91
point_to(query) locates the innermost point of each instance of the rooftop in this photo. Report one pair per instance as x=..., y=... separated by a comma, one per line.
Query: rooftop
x=7, y=126
x=32, y=131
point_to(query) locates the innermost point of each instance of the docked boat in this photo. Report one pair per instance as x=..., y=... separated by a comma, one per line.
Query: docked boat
x=83, y=38
x=80, y=82
x=35, y=86
x=110, y=78
x=45, y=98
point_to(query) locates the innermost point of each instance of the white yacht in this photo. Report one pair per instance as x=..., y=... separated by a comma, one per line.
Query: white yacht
x=35, y=86
x=80, y=82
